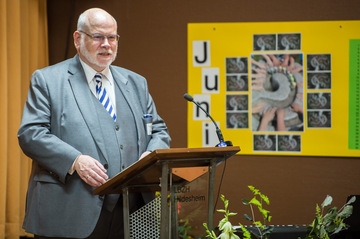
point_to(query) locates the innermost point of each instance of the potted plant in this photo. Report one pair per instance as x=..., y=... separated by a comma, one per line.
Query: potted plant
x=330, y=223
x=324, y=226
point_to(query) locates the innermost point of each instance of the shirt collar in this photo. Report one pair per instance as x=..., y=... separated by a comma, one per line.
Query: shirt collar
x=90, y=72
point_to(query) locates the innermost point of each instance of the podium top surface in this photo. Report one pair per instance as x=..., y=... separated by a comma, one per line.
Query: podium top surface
x=148, y=170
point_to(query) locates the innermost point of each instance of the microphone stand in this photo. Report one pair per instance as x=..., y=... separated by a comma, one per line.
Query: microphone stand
x=218, y=131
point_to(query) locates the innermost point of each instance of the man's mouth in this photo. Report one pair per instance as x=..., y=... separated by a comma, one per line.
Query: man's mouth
x=105, y=53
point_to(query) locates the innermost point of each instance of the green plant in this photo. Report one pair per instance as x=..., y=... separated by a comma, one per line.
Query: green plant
x=263, y=230
x=183, y=229
x=225, y=226
x=322, y=227
x=332, y=222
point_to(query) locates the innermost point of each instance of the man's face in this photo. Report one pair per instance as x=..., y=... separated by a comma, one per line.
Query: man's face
x=97, y=53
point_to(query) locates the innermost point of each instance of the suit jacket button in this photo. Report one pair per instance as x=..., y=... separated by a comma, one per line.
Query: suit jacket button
x=54, y=174
x=117, y=127
x=106, y=166
x=121, y=146
x=123, y=167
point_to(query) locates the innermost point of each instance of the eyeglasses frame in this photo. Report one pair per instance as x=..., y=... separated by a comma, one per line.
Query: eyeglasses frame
x=102, y=37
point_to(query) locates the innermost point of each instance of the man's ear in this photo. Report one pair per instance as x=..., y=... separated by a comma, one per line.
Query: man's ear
x=77, y=37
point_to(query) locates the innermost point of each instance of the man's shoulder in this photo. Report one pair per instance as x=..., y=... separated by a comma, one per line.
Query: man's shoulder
x=125, y=72
x=56, y=74
x=60, y=66
x=126, y=75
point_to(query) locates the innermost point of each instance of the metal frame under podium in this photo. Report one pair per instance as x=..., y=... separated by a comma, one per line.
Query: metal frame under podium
x=153, y=173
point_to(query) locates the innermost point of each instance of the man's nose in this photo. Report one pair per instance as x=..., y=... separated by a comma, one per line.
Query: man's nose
x=105, y=43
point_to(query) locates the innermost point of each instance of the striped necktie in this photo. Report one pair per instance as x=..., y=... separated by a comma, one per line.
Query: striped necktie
x=104, y=97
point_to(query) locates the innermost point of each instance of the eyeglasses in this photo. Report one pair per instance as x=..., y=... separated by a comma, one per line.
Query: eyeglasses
x=100, y=38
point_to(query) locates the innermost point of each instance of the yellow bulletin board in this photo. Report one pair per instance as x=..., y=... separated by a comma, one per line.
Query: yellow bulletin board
x=284, y=88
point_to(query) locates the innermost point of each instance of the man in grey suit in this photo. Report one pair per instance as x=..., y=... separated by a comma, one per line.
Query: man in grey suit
x=76, y=143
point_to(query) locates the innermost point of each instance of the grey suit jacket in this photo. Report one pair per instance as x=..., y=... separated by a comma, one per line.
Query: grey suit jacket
x=59, y=123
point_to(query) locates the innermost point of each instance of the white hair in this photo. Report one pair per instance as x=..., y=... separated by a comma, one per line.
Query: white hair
x=82, y=23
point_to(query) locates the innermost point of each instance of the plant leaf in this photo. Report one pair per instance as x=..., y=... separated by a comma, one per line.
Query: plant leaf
x=352, y=200
x=327, y=201
x=226, y=227
x=222, y=222
x=258, y=223
x=245, y=201
x=330, y=214
x=264, y=212
x=331, y=228
x=265, y=198
x=341, y=226
x=323, y=233
x=246, y=233
x=222, y=197
x=226, y=203
x=255, y=202
x=346, y=212
x=318, y=210
x=247, y=217
x=254, y=190
x=268, y=229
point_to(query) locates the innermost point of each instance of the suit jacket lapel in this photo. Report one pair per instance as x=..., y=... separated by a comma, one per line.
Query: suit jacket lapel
x=82, y=94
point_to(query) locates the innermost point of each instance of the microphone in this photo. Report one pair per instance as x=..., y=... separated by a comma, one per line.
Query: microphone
x=218, y=131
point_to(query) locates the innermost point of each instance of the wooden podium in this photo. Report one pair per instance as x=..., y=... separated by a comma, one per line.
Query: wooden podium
x=154, y=173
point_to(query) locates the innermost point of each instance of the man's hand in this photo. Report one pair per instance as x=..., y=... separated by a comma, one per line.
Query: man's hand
x=90, y=170
x=144, y=154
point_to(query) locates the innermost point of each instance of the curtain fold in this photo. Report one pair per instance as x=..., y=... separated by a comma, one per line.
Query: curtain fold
x=24, y=48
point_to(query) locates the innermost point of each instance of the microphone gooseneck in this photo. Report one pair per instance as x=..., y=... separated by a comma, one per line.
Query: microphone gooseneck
x=218, y=131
